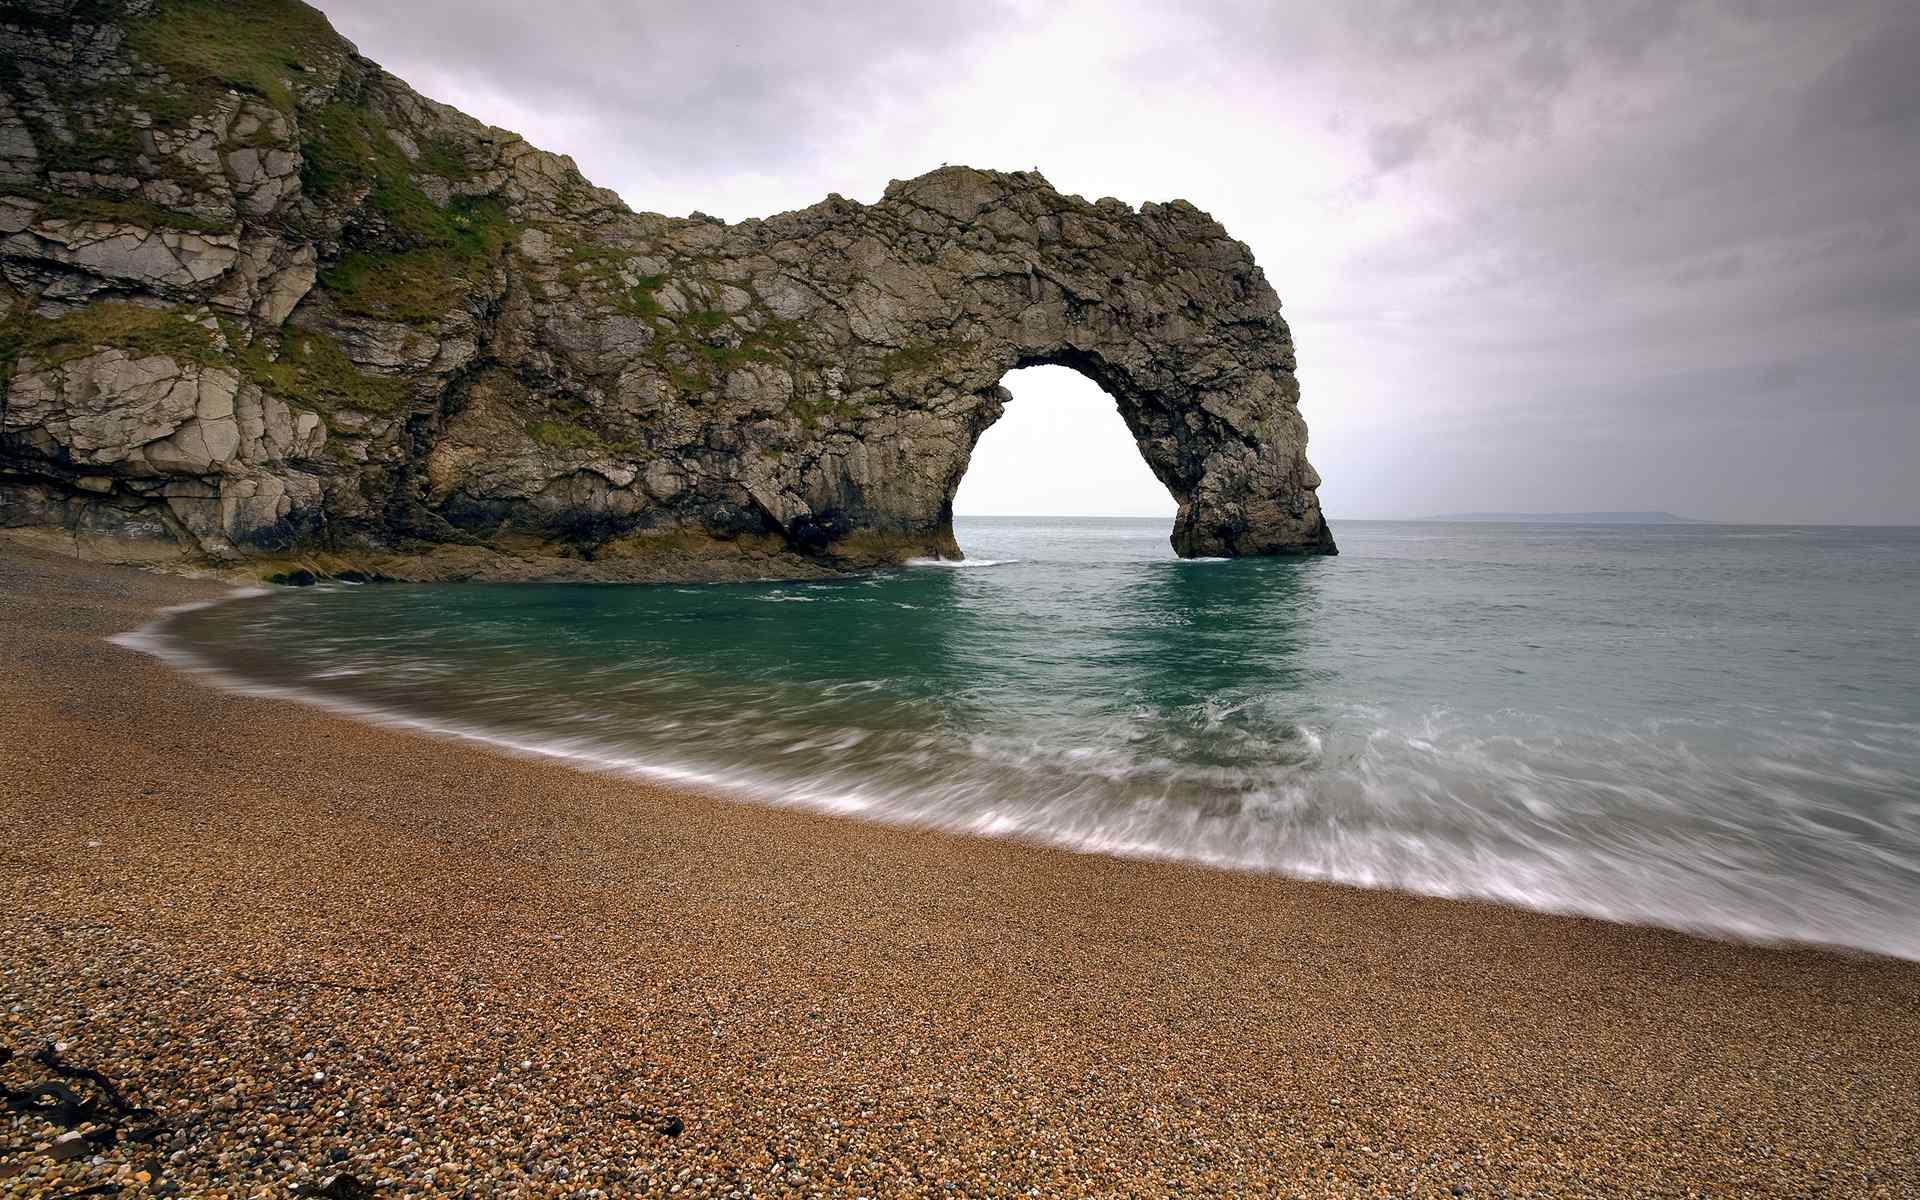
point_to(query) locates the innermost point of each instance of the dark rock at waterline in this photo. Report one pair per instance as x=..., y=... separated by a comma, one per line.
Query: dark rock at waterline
x=304, y=577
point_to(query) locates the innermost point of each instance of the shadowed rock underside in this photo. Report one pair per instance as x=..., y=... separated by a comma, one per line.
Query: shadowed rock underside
x=264, y=302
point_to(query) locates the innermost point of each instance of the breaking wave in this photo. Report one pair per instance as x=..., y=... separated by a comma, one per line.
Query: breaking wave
x=1572, y=725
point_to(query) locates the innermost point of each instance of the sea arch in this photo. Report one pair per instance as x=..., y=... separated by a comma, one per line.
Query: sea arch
x=980, y=274
x=526, y=379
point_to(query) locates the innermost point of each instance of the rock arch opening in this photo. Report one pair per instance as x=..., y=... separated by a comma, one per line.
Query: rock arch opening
x=1059, y=448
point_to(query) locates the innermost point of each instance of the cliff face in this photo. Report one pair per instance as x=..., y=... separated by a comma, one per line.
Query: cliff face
x=262, y=299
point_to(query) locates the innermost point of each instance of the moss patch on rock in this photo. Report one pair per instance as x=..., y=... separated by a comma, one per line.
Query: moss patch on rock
x=696, y=350
x=571, y=435
x=123, y=211
x=563, y=435
x=593, y=267
x=105, y=326
x=918, y=358
x=311, y=371
x=209, y=46
x=417, y=258
x=421, y=284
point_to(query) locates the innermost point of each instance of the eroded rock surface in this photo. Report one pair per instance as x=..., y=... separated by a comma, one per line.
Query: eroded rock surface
x=269, y=301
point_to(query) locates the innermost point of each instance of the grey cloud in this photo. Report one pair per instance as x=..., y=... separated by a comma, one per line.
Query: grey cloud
x=1721, y=169
x=1426, y=29
x=1714, y=267
x=1874, y=86
x=1490, y=71
x=1393, y=146
x=1543, y=66
x=1668, y=245
x=757, y=85
x=1625, y=30
x=1706, y=261
x=1506, y=108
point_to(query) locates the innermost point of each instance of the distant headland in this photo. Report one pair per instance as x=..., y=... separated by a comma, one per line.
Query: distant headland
x=1573, y=518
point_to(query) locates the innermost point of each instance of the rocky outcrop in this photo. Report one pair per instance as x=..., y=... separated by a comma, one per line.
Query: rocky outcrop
x=264, y=300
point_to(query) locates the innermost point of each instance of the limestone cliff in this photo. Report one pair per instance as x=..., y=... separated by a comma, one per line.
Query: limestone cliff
x=262, y=299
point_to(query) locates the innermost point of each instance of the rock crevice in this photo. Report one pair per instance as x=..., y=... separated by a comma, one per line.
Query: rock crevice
x=279, y=305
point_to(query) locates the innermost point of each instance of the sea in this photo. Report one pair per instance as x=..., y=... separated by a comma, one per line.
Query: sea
x=1713, y=728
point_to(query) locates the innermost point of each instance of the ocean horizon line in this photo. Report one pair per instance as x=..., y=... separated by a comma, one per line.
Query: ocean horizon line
x=1461, y=520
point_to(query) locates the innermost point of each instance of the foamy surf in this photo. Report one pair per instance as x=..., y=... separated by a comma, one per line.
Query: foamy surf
x=147, y=638
x=1368, y=721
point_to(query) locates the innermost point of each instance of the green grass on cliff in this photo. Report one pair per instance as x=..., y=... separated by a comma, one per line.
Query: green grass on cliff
x=697, y=349
x=641, y=297
x=437, y=264
x=92, y=139
x=107, y=325
x=346, y=148
x=563, y=435
x=206, y=49
x=417, y=286
x=916, y=358
x=590, y=266
x=571, y=435
x=694, y=349
x=121, y=211
x=311, y=371
x=254, y=46
x=427, y=256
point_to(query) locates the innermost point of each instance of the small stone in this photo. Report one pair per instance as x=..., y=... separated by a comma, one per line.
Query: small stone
x=67, y=1146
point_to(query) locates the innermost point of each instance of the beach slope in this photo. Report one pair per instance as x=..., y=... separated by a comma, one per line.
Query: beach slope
x=313, y=946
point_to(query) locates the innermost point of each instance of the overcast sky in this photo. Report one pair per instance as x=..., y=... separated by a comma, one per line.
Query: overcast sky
x=1537, y=256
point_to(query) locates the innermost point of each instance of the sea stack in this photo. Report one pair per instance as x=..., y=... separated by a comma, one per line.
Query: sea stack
x=264, y=302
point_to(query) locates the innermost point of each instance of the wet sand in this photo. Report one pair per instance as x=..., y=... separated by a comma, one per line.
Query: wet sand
x=313, y=946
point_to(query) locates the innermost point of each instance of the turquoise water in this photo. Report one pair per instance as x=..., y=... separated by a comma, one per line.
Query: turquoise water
x=1714, y=728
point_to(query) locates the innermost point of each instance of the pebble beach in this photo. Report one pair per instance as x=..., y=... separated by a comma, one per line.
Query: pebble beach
x=311, y=956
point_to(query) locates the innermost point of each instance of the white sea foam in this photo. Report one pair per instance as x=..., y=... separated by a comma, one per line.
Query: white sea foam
x=1150, y=737
x=147, y=640
x=150, y=639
